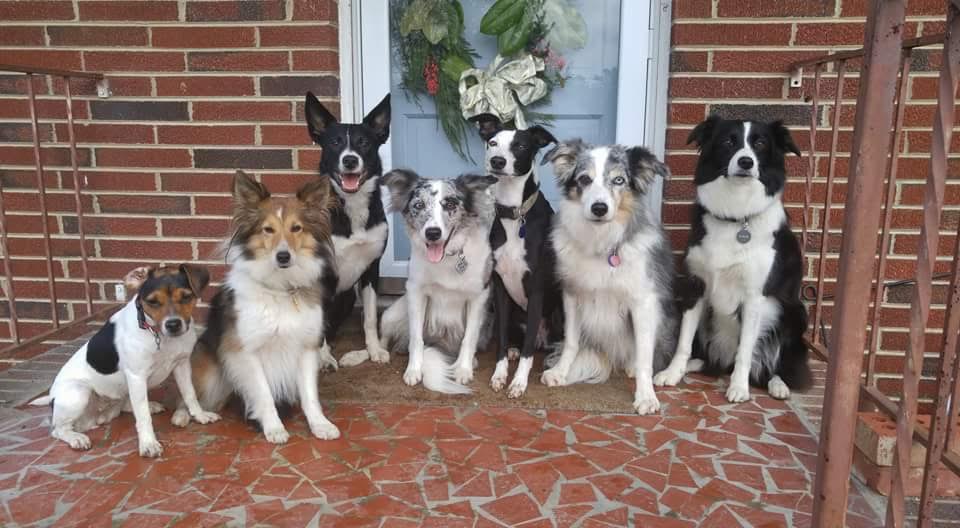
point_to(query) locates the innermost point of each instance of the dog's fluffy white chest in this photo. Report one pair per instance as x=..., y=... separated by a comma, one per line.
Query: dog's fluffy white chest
x=355, y=254
x=734, y=271
x=511, y=262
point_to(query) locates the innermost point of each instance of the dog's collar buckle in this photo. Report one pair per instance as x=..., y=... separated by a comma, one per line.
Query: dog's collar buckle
x=518, y=213
x=294, y=296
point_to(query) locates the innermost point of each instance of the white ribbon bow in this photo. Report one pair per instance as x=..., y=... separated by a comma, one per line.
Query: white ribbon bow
x=502, y=89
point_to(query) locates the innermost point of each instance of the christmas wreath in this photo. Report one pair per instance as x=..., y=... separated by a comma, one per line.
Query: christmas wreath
x=436, y=60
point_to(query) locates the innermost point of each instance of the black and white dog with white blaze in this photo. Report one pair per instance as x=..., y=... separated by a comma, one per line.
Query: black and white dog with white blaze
x=526, y=291
x=615, y=264
x=742, y=312
x=351, y=161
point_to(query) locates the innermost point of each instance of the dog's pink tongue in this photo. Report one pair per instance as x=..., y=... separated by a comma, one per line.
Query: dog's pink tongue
x=434, y=252
x=351, y=182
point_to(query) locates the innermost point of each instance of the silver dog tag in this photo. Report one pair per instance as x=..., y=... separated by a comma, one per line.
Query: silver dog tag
x=461, y=263
x=743, y=236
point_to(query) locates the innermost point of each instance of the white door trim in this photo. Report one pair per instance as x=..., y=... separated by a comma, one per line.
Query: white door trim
x=641, y=106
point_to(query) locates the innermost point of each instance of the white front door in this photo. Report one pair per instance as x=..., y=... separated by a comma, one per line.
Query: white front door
x=616, y=92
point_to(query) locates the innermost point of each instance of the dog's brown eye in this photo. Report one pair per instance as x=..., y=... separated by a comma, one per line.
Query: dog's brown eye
x=337, y=141
x=450, y=205
x=760, y=144
x=418, y=206
x=153, y=303
x=186, y=298
x=728, y=142
x=268, y=230
x=584, y=180
x=362, y=142
x=492, y=143
x=296, y=229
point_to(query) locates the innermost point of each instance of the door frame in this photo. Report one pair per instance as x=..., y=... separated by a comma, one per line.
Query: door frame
x=642, y=91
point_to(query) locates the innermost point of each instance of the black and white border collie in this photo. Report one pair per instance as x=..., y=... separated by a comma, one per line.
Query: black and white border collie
x=444, y=309
x=351, y=161
x=741, y=305
x=616, y=268
x=526, y=292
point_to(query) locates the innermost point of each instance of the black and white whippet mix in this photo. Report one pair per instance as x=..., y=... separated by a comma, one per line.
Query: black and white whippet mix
x=136, y=350
x=526, y=290
x=741, y=300
x=351, y=160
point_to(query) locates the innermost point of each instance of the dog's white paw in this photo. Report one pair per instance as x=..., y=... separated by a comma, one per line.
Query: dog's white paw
x=326, y=360
x=646, y=405
x=76, y=440
x=205, y=417
x=738, y=393
x=108, y=415
x=354, y=358
x=325, y=430
x=180, y=418
x=517, y=388
x=413, y=375
x=156, y=408
x=668, y=377
x=513, y=353
x=150, y=448
x=553, y=378
x=378, y=354
x=695, y=365
x=463, y=375
x=277, y=435
x=630, y=371
x=498, y=381
x=778, y=389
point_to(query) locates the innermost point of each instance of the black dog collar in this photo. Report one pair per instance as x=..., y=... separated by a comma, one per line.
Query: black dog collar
x=517, y=213
x=142, y=322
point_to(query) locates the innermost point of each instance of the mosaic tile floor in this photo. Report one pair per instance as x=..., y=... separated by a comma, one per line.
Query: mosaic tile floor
x=703, y=462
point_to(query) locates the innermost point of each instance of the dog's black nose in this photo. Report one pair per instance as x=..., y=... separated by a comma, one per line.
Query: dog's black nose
x=283, y=257
x=498, y=162
x=350, y=162
x=599, y=209
x=173, y=325
x=745, y=163
x=433, y=234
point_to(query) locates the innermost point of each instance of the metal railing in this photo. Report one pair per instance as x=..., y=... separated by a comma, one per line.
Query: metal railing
x=58, y=326
x=880, y=107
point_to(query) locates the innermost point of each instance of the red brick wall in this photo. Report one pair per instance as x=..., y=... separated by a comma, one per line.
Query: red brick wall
x=732, y=57
x=199, y=88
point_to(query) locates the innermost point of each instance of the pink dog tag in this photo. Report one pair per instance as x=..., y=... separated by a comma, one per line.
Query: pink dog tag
x=613, y=260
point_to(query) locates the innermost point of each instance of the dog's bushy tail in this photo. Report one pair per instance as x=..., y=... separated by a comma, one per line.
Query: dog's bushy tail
x=438, y=373
x=43, y=400
x=589, y=366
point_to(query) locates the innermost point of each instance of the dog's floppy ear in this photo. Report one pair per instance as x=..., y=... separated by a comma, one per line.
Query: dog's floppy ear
x=317, y=116
x=474, y=182
x=248, y=192
x=564, y=158
x=488, y=125
x=782, y=136
x=135, y=278
x=400, y=182
x=542, y=136
x=379, y=119
x=644, y=168
x=704, y=131
x=197, y=276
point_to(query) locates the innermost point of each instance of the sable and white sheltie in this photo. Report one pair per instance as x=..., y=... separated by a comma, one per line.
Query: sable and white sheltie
x=444, y=310
x=741, y=297
x=616, y=269
x=265, y=329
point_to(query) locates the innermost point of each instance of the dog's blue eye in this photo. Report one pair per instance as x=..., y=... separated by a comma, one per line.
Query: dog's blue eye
x=418, y=205
x=619, y=180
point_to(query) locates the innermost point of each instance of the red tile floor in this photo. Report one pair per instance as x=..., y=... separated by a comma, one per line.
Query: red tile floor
x=702, y=462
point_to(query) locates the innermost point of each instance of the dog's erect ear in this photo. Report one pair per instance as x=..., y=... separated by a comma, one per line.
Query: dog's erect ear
x=564, y=158
x=488, y=125
x=318, y=117
x=474, y=182
x=197, y=276
x=645, y=168
x=248, y=192
x=315, y=193
x=541, y=136
x=135, y=278
x=400, y=182
x=782, y=136
x=379, y=119
x=704, y=131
